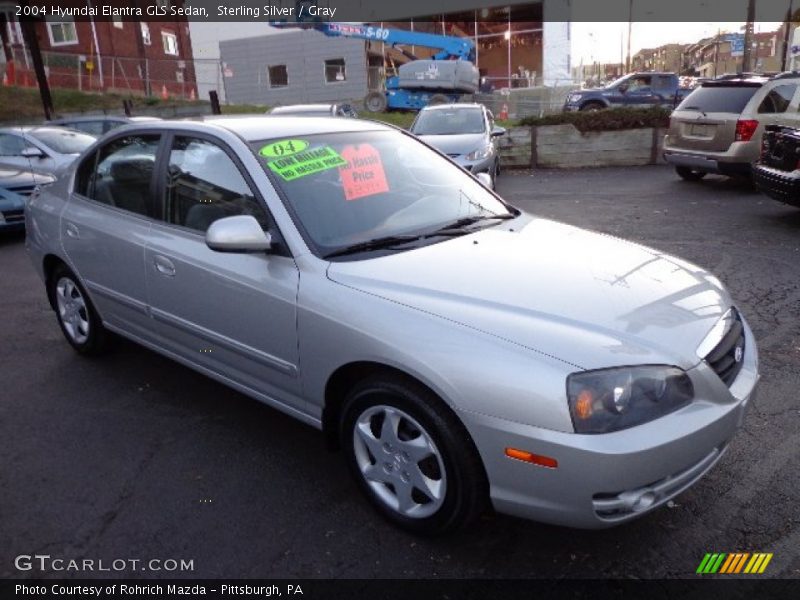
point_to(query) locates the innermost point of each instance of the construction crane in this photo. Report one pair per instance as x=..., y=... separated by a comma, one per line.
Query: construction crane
x=441, y=79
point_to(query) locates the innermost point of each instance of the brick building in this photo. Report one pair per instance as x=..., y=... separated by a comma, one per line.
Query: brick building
x=130, y=56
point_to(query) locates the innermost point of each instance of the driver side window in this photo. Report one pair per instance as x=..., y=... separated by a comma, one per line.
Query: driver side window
x=11, y=145
x=204, y=185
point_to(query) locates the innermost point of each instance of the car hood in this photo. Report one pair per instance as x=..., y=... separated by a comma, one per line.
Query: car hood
x=588, y=299
x=455, y=144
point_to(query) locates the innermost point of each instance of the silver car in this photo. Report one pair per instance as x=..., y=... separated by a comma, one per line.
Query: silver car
x=464, y=132
x=45, y=150
x=457, y=350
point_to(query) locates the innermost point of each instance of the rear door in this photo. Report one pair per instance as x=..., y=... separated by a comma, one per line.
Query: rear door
x=706, y=119
x=230, y=313
x=105, y=225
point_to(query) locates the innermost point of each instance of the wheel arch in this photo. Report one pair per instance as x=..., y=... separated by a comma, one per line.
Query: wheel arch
x=594, y=101
x=348, y=375
x=49, y=265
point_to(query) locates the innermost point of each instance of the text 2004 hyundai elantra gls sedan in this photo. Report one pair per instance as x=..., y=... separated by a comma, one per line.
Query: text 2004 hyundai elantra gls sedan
x=457, y=350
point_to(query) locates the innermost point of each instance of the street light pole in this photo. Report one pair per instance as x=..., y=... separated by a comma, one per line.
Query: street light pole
x=630, y=28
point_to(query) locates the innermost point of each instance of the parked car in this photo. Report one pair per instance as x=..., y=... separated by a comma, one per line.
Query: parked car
x=98, y=125
x=718, y=127
x=22, y=181
x=464, y=132
x=41, y=149
x=636, y=90
x=12, y=211
x=456, y=349
x=315, y=110
x=777, y=173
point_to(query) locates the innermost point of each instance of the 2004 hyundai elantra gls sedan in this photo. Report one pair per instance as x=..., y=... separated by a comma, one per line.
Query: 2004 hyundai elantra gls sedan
x=457, y=350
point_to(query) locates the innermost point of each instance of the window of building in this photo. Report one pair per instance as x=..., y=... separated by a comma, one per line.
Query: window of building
x=205, y=185
x=335, y=70
x=145, y=33
x=120, y=174
x=62, y=33
x=278, y=76
x=117, y=21
x=170, y=43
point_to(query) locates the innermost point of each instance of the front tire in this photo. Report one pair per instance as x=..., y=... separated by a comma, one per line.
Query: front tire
x=375, y=102
x=411, y=456
x=592, y=107
x=76, y=315
x=690, y=174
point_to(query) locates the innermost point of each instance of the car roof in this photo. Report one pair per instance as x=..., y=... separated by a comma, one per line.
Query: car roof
x=262, y=127
x=453, y=105
x=117, y=118
x=32, y=128
x=303, y=108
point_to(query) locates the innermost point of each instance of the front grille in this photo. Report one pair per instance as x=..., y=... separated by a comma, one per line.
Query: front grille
x=727, y=358
x=14, y=216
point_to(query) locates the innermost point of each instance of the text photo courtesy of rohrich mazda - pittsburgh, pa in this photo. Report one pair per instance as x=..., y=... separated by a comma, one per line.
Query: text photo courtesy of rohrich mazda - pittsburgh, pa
x=306, y=296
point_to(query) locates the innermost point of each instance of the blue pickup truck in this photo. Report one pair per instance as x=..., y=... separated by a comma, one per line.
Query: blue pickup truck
x=636, y=90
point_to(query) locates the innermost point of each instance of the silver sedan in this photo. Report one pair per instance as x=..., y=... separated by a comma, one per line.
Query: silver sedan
x=458, y=351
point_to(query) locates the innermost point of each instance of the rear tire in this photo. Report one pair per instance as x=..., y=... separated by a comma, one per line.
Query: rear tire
x=375, y=102
x=437, y=99
x=689, y=174
x=411, y=456
x=76, y=315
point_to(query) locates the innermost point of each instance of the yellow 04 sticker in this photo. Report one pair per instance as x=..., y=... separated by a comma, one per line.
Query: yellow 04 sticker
x=283, y=148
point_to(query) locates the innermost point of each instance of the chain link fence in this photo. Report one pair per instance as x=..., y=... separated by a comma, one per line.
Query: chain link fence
x=163, y=78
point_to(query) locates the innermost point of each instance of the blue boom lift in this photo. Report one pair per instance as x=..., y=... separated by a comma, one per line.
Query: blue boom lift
x=419, y=83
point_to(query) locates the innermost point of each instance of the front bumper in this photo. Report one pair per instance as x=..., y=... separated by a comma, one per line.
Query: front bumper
x=604, y=480
x=780, y=185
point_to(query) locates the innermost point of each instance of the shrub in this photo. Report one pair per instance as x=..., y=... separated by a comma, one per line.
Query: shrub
x=613, y=119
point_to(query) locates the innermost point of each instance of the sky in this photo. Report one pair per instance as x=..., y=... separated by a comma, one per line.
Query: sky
x=600, y=42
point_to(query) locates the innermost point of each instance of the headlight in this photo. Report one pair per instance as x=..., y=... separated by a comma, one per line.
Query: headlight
x=480, y=153
x=612, y=399
x=574, y=97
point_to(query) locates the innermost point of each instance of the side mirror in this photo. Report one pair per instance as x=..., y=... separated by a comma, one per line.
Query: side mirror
x=485, y=179
x=241, y=233
x=31, y=152
x=497, y=131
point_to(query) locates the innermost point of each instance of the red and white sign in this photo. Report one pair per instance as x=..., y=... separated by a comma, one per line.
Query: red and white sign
x=363, y=175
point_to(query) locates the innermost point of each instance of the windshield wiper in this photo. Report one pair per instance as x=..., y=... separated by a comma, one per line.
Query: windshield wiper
x=374, y=244
x=458, y=225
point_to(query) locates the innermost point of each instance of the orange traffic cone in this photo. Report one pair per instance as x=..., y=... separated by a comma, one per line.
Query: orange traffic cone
x=5, y=79
x=192, y=95
x=164, y=93
x=503, y=116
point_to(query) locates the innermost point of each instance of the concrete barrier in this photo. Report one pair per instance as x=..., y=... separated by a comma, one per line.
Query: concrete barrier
x=563, y=146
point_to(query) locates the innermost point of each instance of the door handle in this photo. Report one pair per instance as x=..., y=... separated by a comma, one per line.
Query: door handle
x=164, y=266
x=72, y=231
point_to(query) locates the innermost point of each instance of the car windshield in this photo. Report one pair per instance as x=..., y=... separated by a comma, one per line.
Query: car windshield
x=350, y=188
x=63, y=141
x=447, y=121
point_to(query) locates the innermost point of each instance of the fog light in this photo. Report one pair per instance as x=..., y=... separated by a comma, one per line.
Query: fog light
x=643, y=502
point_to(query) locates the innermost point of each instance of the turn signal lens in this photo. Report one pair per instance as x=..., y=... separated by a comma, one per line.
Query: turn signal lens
x=534, y=459
x=583, y=405
x=745, y=128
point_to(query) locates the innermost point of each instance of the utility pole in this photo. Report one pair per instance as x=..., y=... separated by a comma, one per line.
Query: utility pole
x=29, y=35
x=748, y=36
x=630, y=28
x=788, y=25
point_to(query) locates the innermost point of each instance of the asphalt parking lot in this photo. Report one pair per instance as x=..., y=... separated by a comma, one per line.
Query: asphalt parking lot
x=134, y=456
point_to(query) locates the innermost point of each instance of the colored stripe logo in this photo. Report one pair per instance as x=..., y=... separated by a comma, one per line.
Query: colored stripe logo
x=734, y=563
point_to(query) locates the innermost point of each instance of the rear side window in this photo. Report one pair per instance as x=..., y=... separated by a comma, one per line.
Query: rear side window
x=778, y=99
x=724, y=99
x=120, y=174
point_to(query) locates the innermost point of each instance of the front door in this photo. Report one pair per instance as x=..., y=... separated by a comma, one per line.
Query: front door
x=231, y=314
